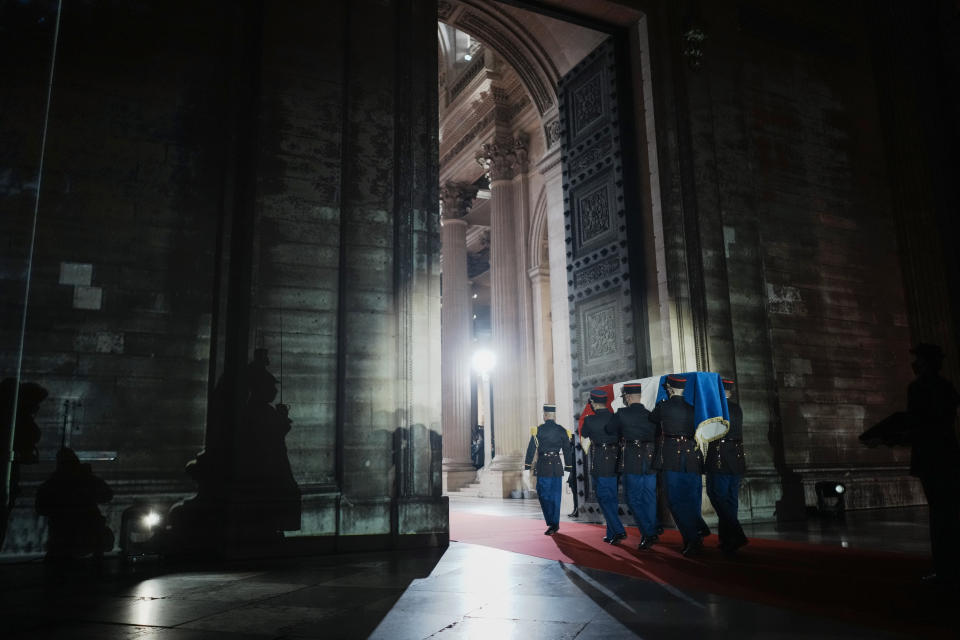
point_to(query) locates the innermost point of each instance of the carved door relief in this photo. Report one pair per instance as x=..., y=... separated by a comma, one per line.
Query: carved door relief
x=608, y=343
x=601, y=216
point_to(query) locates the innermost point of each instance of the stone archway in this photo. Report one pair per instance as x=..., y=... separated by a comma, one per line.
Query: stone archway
x=500, y=104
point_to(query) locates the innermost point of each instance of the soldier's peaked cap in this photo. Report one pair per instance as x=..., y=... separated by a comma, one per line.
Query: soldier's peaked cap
x=599, y=395
x=549, y=408
x=727, y=383
x=677, y=382
x=632, y=387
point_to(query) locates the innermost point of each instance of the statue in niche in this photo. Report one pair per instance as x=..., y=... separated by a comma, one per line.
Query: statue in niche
x=262, y=462
x=246, y=489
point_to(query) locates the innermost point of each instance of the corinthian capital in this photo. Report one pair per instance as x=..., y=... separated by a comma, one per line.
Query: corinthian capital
x=503, y=160
x=456, y=199
x=495, y=159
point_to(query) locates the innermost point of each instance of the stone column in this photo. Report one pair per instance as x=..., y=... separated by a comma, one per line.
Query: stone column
x=511, y=430
x=530, y=401
x=559, y=306
x=458, y=470
x=542, y=333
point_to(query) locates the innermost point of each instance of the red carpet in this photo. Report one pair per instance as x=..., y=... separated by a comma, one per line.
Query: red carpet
x=866, y=587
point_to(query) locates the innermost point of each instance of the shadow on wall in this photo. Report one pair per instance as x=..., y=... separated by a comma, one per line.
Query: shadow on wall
x=25, y=437
x=246, y=492
x=246, y=497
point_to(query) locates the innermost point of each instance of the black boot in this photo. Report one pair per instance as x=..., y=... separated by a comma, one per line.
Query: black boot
x=647, y=541
x=615, y=538
x=692, y=548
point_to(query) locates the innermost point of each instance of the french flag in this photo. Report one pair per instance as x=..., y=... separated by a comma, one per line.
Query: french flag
x=703, y=391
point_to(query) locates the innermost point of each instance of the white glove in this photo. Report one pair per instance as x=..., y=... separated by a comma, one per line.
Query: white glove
x=526, y=480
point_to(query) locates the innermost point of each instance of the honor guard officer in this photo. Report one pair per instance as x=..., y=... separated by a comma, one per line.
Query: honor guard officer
x=547, y=441
x=681, y=462
x=604, y=445
x=633, y=426
x=725, y=467
x=932, y=403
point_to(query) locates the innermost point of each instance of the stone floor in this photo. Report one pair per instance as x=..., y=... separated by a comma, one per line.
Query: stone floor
x=465, y=591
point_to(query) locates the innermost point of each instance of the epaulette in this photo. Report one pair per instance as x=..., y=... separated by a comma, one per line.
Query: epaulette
x=533, y=431
x=569, y=433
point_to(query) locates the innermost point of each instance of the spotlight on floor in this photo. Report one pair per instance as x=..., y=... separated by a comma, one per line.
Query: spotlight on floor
x=830, y=498
x=141, y=526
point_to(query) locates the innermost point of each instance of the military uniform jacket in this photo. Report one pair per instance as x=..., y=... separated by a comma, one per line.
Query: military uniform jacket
x=549, y=439
x=932, y=403
x=726, y=454
x=639, y=438
x=678, y=450
x=604, y=443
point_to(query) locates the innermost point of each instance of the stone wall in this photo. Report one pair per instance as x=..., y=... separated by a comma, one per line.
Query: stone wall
x=289, y=204
x=796, y=282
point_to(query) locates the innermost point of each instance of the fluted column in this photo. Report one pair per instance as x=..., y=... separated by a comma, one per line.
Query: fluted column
x=511, y=430
x=458, y=469
x=530, y=400
x=559, y=305
x=542, y=332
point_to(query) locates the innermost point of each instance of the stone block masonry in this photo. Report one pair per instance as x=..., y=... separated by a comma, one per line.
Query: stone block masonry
x=135, y=280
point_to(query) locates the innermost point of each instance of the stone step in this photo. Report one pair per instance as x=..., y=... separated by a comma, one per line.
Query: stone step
x=472, y=489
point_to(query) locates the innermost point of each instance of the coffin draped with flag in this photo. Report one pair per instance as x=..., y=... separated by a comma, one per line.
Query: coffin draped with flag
x=703, y=391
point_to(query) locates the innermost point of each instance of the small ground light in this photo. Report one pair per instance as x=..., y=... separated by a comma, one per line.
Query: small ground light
x=830, y=498
x=142, y=527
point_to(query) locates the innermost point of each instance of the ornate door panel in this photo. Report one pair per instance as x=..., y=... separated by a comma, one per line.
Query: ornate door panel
x=606, y=342
x=607, y=318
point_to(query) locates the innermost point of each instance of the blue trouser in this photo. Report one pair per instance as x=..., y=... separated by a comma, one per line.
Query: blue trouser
x=723, y=489
x=642, y=498
x=607, y=498
x=684, y=498
x=548, y=492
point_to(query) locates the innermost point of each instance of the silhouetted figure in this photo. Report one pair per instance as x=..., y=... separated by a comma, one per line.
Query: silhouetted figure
x=25, y=438
x=893, y=431
x=476, y=446
x=246, y=490
x=932, y=404
x=69, y=499
x=263, y=465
